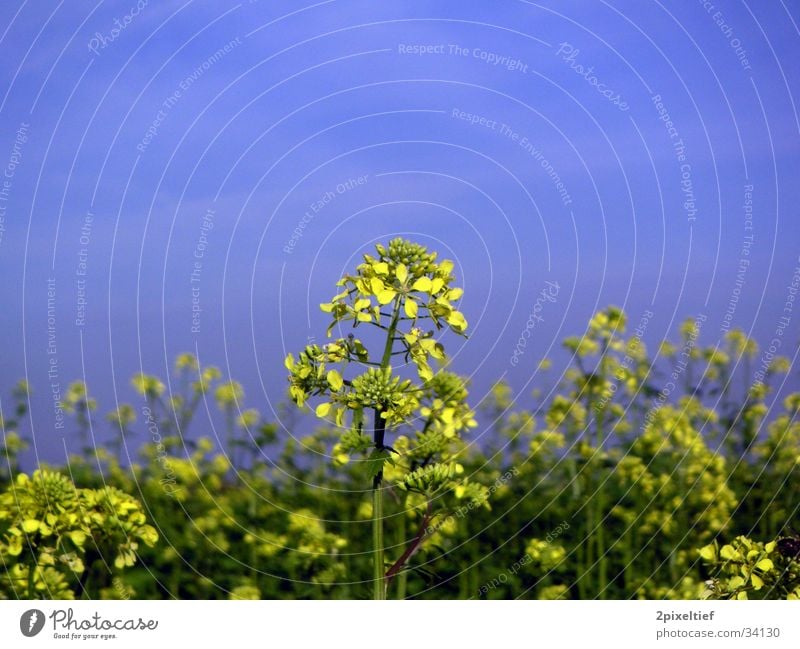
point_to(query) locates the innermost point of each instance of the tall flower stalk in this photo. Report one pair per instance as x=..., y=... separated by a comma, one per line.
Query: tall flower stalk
x=407, y=294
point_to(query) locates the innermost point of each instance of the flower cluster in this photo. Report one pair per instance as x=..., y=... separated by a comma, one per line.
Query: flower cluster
x=309, y=374
x=429, y=479
x=410, y=279
x=747, y=569
x=379, y=390
x=47, y=525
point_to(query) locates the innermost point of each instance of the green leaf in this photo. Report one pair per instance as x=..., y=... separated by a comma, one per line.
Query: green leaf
x=373, y=465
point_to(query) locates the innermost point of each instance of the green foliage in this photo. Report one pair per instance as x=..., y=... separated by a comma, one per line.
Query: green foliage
x=611, y=487
x=746, y=569
x=48, y=526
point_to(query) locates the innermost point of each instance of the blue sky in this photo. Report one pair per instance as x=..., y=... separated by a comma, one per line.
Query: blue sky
x=459, y=119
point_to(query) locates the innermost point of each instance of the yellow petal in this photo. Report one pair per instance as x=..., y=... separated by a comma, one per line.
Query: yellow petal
x=386, y=296
x=708, y=553
x=335, y=380
x=422, y=284
x=376, y=285
x=30, y=525
x=457, y=320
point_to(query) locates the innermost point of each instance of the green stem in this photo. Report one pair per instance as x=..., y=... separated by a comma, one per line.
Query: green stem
x=387, y=349
x=378, y=565
x=31, y=582
x=402, y=578
x=627, y=558
x=600, y=503
x=378, y=584
x=580, y=574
